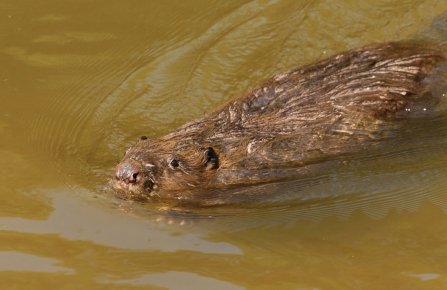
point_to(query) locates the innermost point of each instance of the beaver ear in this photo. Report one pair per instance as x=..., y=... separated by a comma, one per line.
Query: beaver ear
x=211, y=159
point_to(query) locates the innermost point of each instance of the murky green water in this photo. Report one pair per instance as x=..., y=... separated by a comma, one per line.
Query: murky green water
x=80, y=81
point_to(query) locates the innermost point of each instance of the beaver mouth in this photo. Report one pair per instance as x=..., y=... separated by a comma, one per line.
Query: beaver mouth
x=140, y=187
x=138, y=192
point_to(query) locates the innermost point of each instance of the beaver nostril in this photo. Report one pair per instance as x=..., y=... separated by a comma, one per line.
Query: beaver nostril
x=134, y=178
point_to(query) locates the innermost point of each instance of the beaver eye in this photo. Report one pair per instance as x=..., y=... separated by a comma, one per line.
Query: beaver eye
x=174, y=163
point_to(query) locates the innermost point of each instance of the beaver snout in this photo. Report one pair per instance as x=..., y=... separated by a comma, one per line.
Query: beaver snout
x=128, y=173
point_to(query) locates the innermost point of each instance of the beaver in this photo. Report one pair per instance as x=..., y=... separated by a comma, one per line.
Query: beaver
x=344, y=104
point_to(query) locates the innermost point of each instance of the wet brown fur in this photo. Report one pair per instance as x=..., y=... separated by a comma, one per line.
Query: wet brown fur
x=340, y=105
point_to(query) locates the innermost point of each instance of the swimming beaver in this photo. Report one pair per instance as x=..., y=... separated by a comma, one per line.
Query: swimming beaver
x=344, y=104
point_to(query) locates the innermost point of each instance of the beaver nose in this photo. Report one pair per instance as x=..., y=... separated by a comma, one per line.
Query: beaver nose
x=128, y=172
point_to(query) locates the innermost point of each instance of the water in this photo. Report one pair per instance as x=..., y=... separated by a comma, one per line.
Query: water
x=82, y=80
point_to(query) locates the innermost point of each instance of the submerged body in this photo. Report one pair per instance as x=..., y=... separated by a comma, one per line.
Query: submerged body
x=344, y=104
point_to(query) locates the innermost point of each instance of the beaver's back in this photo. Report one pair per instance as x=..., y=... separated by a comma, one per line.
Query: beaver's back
x=334, y=106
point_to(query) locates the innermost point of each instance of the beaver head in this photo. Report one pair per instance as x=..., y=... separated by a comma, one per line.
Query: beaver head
x=164, y=165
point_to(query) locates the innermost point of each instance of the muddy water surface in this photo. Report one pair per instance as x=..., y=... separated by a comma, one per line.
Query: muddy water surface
x=82, y=80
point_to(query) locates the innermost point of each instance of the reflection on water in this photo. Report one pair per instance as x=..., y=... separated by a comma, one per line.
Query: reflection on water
x=176, y=280
x=82, y=80
x=23, y=262
x=74, y=220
